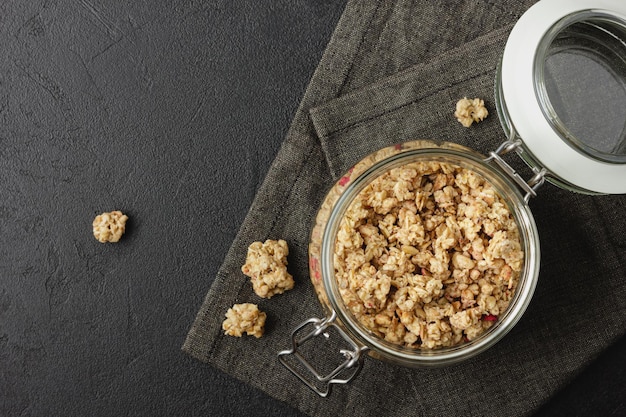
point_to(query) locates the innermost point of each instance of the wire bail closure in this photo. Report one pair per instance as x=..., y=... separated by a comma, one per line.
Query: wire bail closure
x=531, y=186
x=353, y=358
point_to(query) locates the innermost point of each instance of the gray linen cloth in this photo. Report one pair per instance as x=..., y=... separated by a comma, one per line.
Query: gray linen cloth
x=393, y=72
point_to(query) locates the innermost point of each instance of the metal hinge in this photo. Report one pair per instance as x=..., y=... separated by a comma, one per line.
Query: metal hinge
x=531, y=186
x=353, y=358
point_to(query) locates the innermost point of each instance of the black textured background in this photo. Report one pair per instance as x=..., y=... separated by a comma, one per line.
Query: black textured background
x=171, y=111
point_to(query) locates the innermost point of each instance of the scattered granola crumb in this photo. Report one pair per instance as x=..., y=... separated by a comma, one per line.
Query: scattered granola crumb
x=470, y=111
x=109, y=227
x=244, y=318
x=428, y=255
x=266, y=265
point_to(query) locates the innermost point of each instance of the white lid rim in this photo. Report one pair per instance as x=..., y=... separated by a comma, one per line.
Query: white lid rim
x=526, y=115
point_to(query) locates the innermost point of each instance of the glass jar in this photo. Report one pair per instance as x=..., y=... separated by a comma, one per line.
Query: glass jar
x=560, y=93
x=321, y=251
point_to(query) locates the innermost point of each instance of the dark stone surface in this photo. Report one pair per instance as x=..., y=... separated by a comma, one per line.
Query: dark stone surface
x=171, y=112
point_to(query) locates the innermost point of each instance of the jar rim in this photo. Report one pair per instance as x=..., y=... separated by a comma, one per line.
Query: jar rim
x=457, y=155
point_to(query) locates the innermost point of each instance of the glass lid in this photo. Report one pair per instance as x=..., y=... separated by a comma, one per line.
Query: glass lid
x=572, y=56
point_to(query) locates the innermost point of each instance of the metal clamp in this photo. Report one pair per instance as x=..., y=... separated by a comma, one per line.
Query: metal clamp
x=535, y=181
x=353, y=361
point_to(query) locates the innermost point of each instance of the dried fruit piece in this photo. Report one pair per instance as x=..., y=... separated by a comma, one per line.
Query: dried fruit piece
x=490, y=317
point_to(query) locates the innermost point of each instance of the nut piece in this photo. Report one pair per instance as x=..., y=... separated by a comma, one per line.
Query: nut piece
x=109, y=227
x=244, y=318
x=470, y=111
x=266, y=265
x=428, y=255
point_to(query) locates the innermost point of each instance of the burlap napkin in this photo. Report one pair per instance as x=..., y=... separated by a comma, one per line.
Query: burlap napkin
x=393, y=72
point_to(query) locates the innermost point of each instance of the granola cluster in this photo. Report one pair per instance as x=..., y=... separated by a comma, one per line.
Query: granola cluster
x=266, y=265
x=244, y=318
x=109, y=227
x=469, y=111
x=428, y=255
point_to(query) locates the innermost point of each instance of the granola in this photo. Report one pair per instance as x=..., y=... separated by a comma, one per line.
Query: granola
x=266, y=265
x=469, y=111
x=244, y=318
x=428, y=255
x=109, y=227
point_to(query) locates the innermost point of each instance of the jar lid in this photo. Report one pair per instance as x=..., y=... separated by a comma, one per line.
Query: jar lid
x=572, y=56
